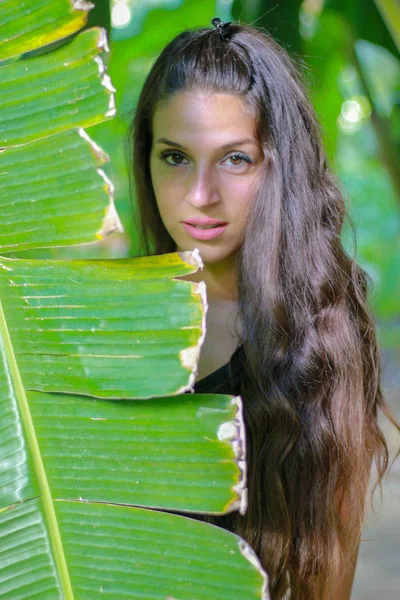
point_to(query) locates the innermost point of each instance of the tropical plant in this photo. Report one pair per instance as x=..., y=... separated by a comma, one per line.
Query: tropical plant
x=91, y=470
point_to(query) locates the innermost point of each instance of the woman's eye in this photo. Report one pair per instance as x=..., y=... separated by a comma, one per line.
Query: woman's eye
x=238, y=160
x=175, y=159
x=172, y=158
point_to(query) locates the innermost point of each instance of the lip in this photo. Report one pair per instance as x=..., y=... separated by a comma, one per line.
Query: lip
x=204, y=234
x=204, y=221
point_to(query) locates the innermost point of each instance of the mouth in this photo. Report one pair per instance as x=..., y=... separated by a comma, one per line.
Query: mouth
x=204, y=226
x=204, y=232
x=205, y=223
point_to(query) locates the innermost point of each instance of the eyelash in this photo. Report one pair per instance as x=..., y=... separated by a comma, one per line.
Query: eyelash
x=164, y=155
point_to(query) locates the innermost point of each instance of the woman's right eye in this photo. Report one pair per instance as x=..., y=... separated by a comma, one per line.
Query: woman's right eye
x=172, y=158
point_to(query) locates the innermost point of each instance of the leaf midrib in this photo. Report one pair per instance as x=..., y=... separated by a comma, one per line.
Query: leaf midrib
x=47, y=501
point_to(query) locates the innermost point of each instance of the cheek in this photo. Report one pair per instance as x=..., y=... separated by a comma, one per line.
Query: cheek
x=168, y=193
x=240, y=192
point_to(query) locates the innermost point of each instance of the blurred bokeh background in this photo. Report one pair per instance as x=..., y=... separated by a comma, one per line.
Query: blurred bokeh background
x=348, y=51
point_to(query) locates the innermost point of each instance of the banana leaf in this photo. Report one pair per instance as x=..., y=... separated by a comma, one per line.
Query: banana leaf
x=101, y=439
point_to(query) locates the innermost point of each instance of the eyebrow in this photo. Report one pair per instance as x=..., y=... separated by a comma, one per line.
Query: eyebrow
x=224, y=147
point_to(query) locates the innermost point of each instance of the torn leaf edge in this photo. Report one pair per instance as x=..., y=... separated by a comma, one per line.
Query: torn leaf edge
x=251, y=556
x=98, y=151
x=234, y=432
x=189, y=357
x=105, y=79
x=111, y=223
x=192, y=257
x=82, y=5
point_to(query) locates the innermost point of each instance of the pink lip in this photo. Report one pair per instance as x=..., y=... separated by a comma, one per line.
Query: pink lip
x=204, y=234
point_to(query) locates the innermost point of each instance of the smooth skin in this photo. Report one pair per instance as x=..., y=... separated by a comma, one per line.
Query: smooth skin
x=208, y=170
x=205, y=161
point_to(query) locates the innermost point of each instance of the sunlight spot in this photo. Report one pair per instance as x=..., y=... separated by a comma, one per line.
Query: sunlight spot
x=121, y=15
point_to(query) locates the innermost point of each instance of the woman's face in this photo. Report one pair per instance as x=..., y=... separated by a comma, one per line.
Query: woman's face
x=204, y=164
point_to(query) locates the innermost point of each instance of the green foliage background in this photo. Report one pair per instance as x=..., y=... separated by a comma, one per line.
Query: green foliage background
x=324, y=37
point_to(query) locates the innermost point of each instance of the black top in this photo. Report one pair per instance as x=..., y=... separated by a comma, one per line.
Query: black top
x=226, y=379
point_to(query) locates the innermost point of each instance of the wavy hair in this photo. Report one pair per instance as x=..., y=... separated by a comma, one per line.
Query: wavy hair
x=311, y=378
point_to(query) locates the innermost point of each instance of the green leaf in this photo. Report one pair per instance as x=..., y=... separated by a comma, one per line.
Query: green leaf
x=17, y=476
x=60, y=448
x=49, y=186
x=390, y=13
x=27, y=567
x=180, y=453
x=165, y=555
x=365, y=19
x=122, y=552
x=45, y=22
x=99, y=327
x=55, y=92
x=381, y=71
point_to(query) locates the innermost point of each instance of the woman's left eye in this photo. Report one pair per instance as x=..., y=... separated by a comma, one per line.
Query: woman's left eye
x=237, y=160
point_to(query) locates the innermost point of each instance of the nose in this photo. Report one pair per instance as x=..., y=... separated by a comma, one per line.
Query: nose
x=203, y=189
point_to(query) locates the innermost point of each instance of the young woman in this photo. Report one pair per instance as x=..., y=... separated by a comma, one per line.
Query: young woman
x=228, y=159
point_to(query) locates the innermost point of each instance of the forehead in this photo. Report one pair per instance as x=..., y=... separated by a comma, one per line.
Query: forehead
x=190, y=116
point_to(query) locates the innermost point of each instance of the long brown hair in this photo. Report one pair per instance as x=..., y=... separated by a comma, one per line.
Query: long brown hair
x=311, y=379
